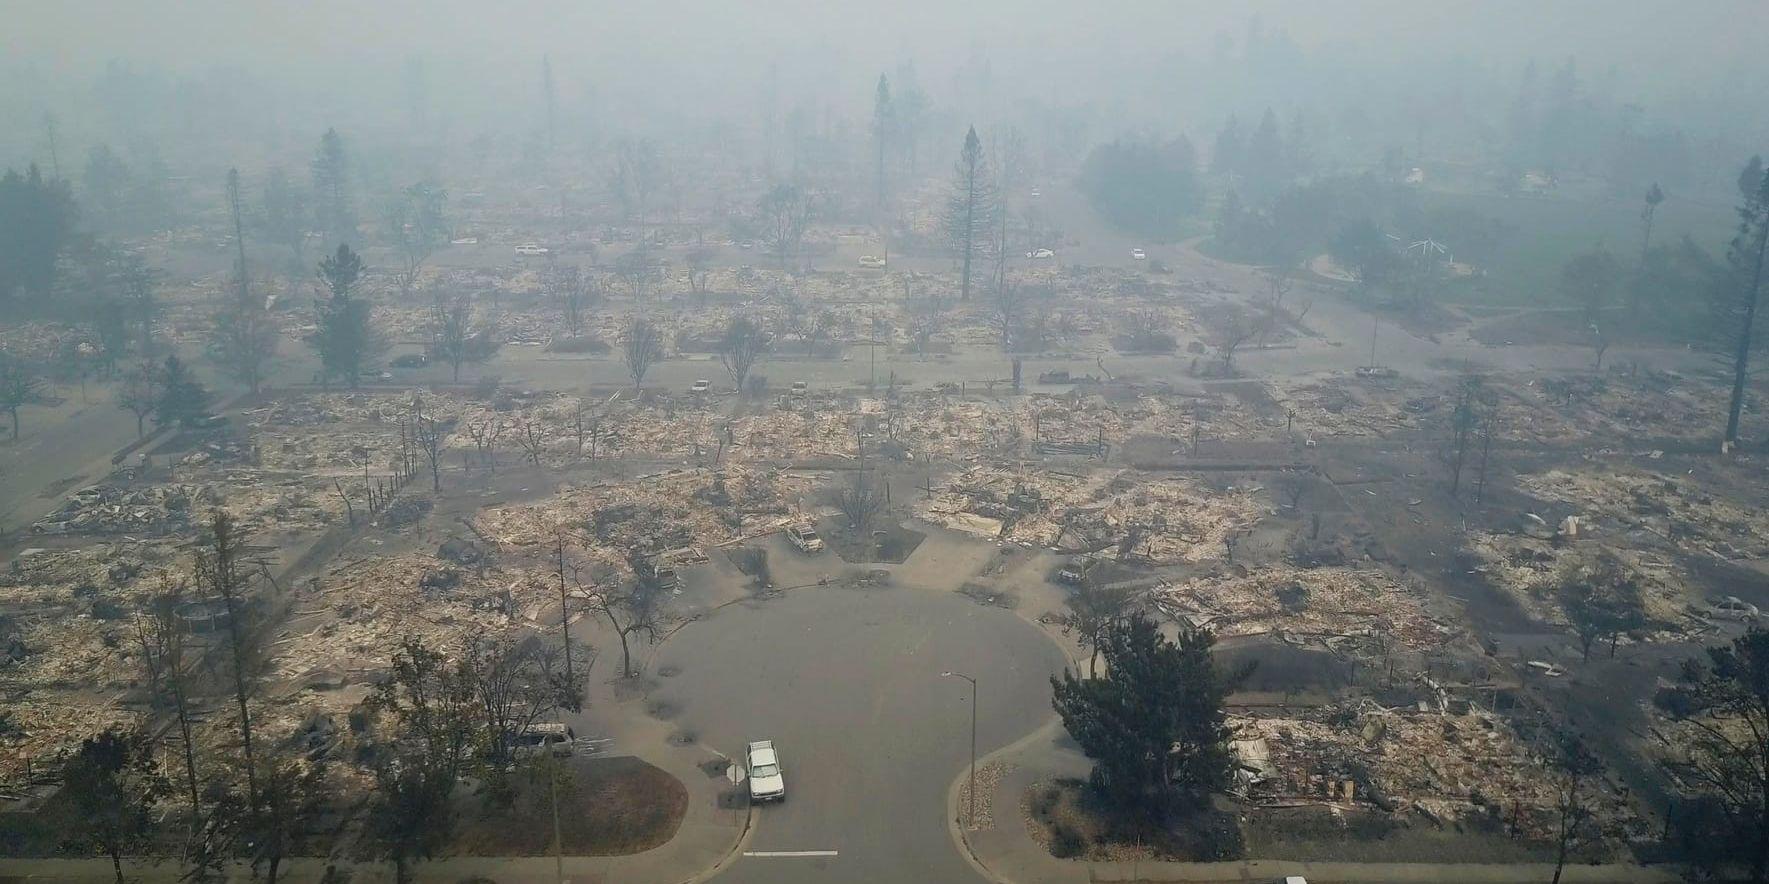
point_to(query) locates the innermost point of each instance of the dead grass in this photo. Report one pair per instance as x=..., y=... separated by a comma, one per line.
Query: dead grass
x=608, y=807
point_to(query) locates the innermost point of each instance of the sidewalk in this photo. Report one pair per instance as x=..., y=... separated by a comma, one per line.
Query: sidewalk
x=1006, y=853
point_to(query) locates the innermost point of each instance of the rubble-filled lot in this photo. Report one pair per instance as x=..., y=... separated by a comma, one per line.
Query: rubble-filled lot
x=607, y=522
x=1608, y=410
x=67, y=641
x=352, y=619
x=1451, y=763
x=1529, y=568
x=1158, y=519
x=1342, y=608
x=1656, y=508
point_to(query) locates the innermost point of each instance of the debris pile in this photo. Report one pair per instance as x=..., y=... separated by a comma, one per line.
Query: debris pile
x=1159, y=519
x=1658, y=507
x=1332, y=605
x=681, y=508
x=1450, y=766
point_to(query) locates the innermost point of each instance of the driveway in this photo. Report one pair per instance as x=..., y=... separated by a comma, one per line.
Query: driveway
x=847, y=684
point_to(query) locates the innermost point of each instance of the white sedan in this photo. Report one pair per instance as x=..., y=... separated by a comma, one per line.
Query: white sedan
x=765, y=780
x=1037, y=254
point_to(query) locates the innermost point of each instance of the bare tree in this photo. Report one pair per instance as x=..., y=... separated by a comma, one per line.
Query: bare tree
x=485, y=433
x=1654, y=196
x=814, y=326
x=926, y=322
x=1237, y=329
x=19, y=386
x=637, y=269
x=140, y=394
x=699, y=260
x=590, y=422
x=417, y=224
x=244, y=338
x=1575, y=766
x=641, y=348
x=636, y=175
x=450, y=336
x=784, y=214
x=743, y=344
x=531, y=435
x=1465, y=419
x=139, y=283
x=636, y=609
x=429, y=436
x=860, y=500
x=572, y=290
x=162, y=636
x=224, y=566
x=1093, y=609
x=516, y=682
x=1006, y=313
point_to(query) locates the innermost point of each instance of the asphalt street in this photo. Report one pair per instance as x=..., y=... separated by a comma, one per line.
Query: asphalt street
x=847, y=683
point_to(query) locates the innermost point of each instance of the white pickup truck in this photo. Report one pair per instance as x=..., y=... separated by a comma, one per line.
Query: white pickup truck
x=765, y=780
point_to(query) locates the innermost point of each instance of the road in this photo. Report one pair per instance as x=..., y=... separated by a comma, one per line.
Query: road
x=847, y=684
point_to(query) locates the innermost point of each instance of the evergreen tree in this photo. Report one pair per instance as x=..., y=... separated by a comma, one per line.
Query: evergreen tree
x=1265, y=168
x=183, y=399
x=112, y=785
x=970, y=210
x=333, y=210
x=884, y=132
x=344, y=339
x=1738, y=301
x=1154, y=725
x=36, y=229
x=1143, y=187
x=1225, y=156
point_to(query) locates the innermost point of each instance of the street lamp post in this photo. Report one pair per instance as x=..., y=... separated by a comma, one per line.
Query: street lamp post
x=972, y=813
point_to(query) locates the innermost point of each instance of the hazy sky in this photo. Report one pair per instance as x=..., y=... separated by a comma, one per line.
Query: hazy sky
x=706, y=34
x=331, y=62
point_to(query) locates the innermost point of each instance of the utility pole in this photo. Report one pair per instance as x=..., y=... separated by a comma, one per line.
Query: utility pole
x=564, y=612
x=54, y=155
x=972, y=812
x=558, y=842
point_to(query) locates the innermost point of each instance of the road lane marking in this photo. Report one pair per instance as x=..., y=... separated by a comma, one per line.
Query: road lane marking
x=789, y=853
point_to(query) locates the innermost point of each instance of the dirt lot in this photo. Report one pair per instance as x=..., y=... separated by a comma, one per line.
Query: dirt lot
x=607, y=807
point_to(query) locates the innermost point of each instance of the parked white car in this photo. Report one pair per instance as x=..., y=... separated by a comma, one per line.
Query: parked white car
x=805, y=538
x=765, y=780
x=532, y=250
x=1139, y=255
x=700, y=386
x=871, y=262
x=1041, y=253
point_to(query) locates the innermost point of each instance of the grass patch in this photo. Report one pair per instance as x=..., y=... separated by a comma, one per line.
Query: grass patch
x=1072, y=822
x=607, y=807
